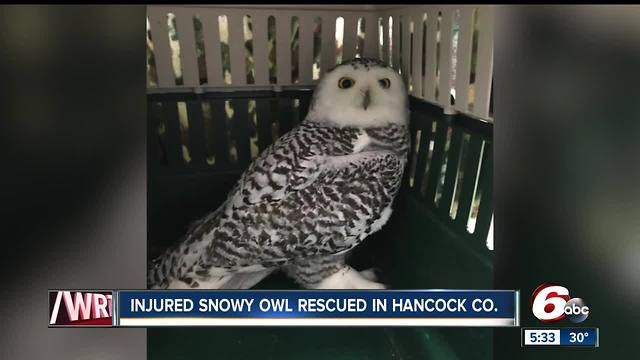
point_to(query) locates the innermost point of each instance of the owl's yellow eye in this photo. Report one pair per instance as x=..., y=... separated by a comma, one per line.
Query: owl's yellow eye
x=345, y=82
x=385, y=83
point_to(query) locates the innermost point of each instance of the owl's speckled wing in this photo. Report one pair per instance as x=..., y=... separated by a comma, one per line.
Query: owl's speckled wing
x=316, y=191
x=292, y=163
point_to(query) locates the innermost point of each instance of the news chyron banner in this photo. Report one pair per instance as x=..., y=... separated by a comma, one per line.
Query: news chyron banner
x=148, y=308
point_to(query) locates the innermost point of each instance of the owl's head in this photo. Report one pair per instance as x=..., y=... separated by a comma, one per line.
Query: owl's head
x=360, y=93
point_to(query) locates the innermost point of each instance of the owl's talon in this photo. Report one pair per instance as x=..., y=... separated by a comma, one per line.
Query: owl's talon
x=372, y=285
x=371, y=274
x=349, y=278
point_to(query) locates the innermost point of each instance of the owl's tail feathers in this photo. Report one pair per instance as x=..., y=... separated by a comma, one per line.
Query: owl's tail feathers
x=229, y=280
x=245, y=280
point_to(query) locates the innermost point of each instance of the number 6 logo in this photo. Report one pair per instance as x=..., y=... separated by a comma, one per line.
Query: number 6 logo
x=548, y=302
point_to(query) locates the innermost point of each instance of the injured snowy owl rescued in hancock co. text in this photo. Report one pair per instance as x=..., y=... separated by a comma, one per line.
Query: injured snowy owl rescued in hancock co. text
x=310, y=197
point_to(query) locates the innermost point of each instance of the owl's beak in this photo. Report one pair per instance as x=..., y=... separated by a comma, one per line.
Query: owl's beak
x=367, y=99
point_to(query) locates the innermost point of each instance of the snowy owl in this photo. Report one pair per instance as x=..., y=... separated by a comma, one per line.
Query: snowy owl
x=309, y=198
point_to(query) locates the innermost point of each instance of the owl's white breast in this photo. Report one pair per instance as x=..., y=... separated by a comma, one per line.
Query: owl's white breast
x=361, y=142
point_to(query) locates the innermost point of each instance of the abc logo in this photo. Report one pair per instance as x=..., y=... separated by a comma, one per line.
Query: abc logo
x=551, y=303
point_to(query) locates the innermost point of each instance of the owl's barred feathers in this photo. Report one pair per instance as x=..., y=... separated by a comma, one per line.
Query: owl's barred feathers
x=305, y=201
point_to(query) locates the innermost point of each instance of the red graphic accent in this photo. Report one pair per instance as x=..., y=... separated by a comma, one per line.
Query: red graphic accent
x=80, y=308
x=549, y=307
x=89, y=322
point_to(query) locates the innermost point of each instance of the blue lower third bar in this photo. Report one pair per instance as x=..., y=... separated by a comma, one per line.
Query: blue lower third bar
x=587, y=337
x=485, y=308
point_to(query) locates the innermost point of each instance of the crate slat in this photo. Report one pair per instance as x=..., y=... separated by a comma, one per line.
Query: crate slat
x=172, y=126
x=437, y=158
x=418, y=53
x=468, y=185
x=328, y=43
x=371, y=37
x=161, y=48
x=406, y=49
x=444, y=83
x=305, y=61
x=212, y=51
x=219, y=133
x=241, y=130
x=450, y=178
x=283, y=49
x=485, y=184
x=385, y=40
x=424, y=125
x=410, y=169
x=305, y=102
x=188, y=55
x=285, y=115
x=155, y=146
x=263, y=112
x=197, y=140
x=395, y=42
x=463, y=66
x=350, y=37
x=237, y=50
x=429, y=87
x=260, y=51
x=484, y=66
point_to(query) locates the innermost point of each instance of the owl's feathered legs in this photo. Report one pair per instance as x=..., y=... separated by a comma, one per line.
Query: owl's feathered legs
x=331, y=273
x=348, y=278
x=370, y=274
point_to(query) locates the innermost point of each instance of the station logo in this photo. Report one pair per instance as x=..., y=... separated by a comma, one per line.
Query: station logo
x=552, y=303
x=80, y=308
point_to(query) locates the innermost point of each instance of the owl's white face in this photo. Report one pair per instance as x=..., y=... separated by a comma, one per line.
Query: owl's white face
x=360, y=93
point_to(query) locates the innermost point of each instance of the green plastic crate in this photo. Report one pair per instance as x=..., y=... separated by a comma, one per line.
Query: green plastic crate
x=191, y=168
